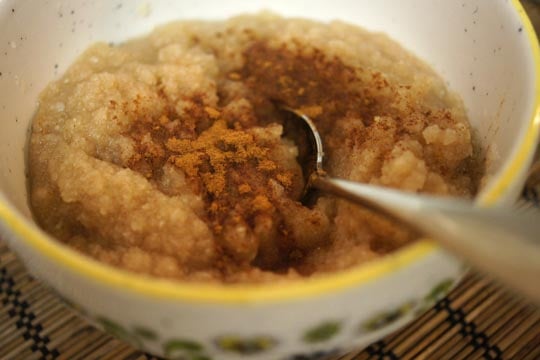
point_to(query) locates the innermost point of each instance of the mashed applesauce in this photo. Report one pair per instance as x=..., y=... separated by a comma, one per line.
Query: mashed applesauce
x=166, y=155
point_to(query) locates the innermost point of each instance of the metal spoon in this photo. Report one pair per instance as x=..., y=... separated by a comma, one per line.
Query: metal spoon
x=500, y=241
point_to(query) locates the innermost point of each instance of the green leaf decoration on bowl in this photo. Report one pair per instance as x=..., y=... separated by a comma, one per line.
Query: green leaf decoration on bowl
x=388, y=317
x=439, y=291
x=186, y=345
x=118, y=331
x=145, y=333
x=182, y=349
x=245, y=346
x=323, y=332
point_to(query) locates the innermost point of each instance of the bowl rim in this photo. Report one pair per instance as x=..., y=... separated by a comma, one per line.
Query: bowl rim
x=281, y=291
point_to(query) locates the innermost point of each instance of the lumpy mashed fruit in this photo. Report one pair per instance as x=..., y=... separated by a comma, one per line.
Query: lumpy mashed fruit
x=166, y=155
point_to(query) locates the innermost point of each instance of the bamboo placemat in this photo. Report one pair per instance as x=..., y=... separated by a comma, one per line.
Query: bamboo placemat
x=477, y=320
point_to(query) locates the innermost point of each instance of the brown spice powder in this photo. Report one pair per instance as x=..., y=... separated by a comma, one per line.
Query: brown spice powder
x=232, y=170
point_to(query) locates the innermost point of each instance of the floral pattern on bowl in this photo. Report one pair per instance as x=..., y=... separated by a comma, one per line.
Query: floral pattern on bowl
x=245, y=346
x=181, y=349
x=322, y=332
x=388, y=317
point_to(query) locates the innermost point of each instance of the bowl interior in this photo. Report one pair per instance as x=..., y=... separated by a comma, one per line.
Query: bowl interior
x=480, y=48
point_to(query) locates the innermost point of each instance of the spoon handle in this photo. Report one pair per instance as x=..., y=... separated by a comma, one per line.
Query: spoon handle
x=501, y=242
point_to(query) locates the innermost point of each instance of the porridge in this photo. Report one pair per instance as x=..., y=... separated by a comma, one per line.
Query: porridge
x=166, y=155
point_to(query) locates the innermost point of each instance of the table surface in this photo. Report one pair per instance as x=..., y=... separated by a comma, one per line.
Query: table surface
x=478, y=320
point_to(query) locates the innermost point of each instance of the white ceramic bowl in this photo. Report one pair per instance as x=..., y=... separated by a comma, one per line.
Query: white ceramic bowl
x=485, y=49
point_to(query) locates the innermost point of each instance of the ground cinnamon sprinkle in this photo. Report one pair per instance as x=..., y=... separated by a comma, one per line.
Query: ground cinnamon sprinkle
x=305, y=79
x=244, y=188
x=226, y=163
x=215, y=152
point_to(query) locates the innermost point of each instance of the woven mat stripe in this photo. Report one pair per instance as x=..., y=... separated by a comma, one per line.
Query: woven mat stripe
x=527, y=322
x=73, y=345
x=503, y=304
x=532, y=350
x=439, y=324
x=39, y=317
x=110, y=350
x=459, y=326
x=28, y=328
x=461, y=332
x=471, y=353
x=81, y=333
x=88, y=346
x=86, y=342
x=64, y=339
x=526, y=341
x=42, y=304
x=125, y=353
x=507, y=326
